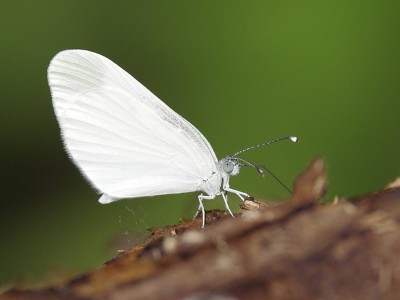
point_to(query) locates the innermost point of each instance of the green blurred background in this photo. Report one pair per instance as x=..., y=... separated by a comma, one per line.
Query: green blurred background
x=241, y=72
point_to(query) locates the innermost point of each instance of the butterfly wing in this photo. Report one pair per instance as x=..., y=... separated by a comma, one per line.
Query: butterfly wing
x=126, y=141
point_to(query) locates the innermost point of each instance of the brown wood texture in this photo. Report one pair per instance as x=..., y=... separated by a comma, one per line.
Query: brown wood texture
x=294, y=249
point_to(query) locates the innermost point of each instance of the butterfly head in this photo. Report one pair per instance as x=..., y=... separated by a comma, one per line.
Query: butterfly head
x=230, y=165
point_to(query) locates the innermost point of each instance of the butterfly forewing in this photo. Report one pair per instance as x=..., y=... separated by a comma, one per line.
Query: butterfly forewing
x=126, y=141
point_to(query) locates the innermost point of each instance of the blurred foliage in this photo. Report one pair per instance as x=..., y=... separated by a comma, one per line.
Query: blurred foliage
x=241, y=72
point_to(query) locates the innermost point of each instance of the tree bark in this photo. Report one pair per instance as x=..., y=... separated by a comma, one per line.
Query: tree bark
x=295, y=249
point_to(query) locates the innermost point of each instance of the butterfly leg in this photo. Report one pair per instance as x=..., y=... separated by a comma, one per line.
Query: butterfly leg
x=197, y=212
x=225, y=197
x=240, y=194
x=201, y=207
x=228, y=189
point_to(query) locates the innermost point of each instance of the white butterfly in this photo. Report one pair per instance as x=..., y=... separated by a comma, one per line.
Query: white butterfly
x=126, y=141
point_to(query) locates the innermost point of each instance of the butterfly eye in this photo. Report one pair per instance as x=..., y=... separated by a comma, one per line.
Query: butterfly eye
x=228, y=166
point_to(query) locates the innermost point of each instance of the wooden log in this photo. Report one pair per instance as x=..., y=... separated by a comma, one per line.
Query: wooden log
x=294, y=249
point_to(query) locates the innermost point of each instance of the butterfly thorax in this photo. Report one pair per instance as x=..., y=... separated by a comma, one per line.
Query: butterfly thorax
x=226, y=167
x=212, y=184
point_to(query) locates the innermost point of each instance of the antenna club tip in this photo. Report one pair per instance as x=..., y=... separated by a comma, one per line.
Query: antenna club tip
x=294, y=139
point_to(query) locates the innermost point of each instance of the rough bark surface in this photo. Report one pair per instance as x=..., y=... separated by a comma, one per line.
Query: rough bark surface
x=296, y=249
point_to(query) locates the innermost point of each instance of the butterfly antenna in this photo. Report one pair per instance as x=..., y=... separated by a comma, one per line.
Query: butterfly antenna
x=261, y=172
x=248, y=164
x=291, y=138
x=276, y=178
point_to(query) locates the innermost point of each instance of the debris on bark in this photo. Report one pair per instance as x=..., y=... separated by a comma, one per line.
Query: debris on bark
x=295, y=249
